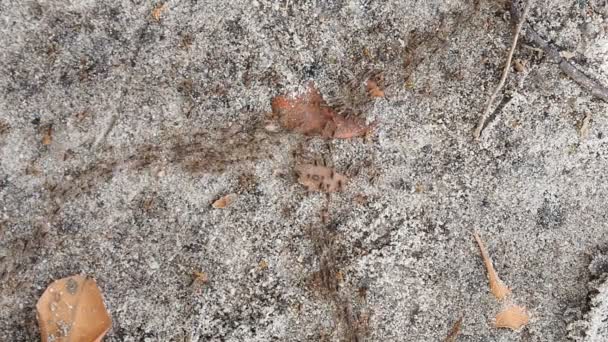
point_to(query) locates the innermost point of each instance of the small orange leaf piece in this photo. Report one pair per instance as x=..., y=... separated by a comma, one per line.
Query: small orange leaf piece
x=201, y=277
x=498, y=288
x=513, y=317
x=309, y=114
x=72, y=309
x=224, y=201
x=320, y=178
x=158, y=10
x=47, y=138
x=373, y=89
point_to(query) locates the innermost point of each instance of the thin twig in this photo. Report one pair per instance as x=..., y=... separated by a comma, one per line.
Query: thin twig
x=125, y=89
x=100, y=141
x=497, y=287
x=594, y=87
x=505, y=73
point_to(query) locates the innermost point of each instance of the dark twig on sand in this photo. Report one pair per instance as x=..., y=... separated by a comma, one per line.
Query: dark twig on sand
x=586, y=82
x=570, y=70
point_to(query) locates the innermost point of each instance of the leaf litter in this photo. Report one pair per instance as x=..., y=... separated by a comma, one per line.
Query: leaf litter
x=513, y=317
x=374, y=89
x=309, y=114
x=224, y=201
x=72, y=309
x=320, y=178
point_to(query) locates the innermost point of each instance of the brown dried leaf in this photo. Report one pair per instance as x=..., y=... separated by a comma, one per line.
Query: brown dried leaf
x=498, y=288
x=47, y=138
x=519, y=65
x=373, y=89
x=201, y=277
x=306, y=114
x=158, y=10
x=340, y=277
x=348, y=127
x=360, y=199
x=320, y=178
x=224, y=201
x=513, y=317
x=72, y=309
x=454, y=331
x=309, y=114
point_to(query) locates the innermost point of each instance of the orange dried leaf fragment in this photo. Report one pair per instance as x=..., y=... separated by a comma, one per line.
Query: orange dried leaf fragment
x=47, y=138
x=309, y=114
x=498, y=288
x=224, y=201
x=158, y=10
x=201, y=277
x=373, y=89
x=72, y=309
x=320, y=178
x=513, y=317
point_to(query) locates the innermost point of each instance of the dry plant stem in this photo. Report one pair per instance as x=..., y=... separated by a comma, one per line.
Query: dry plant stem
x=107, y=131
x=505, y=73
x=497, y=287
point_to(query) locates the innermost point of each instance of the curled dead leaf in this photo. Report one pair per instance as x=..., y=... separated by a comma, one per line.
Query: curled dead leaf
x=320, y=178
x=373, y=89
x=513, y=317
x=224, y=201
x=72, y=309
x=498, y=288
x=309, y=114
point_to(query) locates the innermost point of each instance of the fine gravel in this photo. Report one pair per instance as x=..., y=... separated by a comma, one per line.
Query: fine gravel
x=121, y=122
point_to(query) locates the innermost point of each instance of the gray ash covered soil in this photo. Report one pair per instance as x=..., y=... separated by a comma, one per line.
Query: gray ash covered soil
x=184, y=101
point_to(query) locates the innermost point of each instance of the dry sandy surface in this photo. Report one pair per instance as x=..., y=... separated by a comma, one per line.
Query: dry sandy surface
x=120, y=125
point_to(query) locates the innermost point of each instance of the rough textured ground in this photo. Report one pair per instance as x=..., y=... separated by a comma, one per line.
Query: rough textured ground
x=149, y=120
x=593, y=327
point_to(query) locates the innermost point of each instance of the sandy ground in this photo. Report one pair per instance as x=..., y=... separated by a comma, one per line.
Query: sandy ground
x=120, y=125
